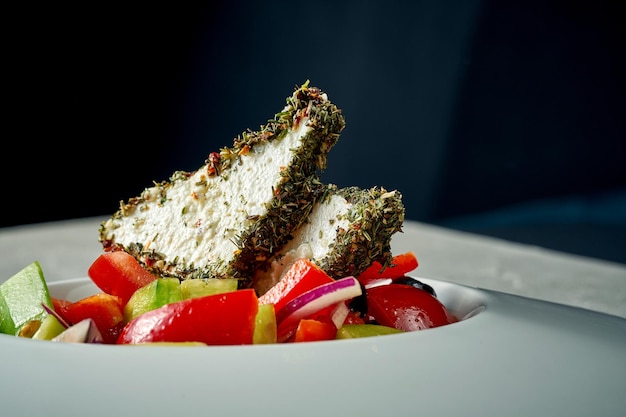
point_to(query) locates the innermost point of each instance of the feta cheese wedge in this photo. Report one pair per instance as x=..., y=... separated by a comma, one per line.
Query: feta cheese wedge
x=230, y=216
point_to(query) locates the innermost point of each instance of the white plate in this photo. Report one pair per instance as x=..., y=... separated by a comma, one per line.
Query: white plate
x=514, y=357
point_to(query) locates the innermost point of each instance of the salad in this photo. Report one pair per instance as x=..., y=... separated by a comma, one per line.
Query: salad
x=250, y=248
x=137, y=307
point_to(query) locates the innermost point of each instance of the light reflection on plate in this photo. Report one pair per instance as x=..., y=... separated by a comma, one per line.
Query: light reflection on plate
x=511, y=356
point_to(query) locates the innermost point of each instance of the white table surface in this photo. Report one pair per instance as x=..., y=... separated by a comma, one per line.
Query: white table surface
x=66, y=249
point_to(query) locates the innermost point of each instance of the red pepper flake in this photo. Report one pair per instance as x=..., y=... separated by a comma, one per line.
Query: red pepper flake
x=213, y=163
x=244, y=150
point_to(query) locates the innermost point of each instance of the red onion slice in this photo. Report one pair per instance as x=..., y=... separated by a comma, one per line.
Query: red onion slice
x=377, y=282
x=85, y=331
x=56, y=315
x=318, y=298
x=340, y=314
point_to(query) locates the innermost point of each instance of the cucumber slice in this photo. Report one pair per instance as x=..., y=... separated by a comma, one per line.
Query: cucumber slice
x=350, y=331
x=21, y=299
x=192, y=288
x=151, y=296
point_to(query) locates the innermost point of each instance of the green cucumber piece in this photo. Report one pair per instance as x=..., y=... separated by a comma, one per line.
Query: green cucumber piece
x=151, y=296
x=49, y=329
x=192, y=288
x=351, y=331
x=22, y=298
x=265, y=330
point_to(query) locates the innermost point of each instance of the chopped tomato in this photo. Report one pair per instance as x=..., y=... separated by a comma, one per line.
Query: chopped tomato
x=406, y=308
x=59, y=304
x=354, y=318
x=301, y=277
x=220, y=319
x=119, y=273
x=105, y=310
x=310, y=330
x=400, y=266
x=325, y=314
x=287, y=329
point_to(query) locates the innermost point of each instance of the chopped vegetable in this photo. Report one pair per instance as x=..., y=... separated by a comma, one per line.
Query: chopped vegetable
x=50, y=328
x=401, y=265
x=318, y=298
x=104, y=309
x=302, y=276
x=328, y=298
x=406, y=308
x=265, y=325
x=221, y=319
x=118, y=273
x=191, y=288
x=350, y=331
x=153, y=295
x=310, y=330
x=22, y=298
x=84, y=331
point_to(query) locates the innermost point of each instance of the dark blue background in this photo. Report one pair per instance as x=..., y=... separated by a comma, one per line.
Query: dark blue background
x=504, y=118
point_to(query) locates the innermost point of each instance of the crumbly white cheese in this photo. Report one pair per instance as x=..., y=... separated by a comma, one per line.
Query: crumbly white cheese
x=201, y=216
x=320, y=230
x=312, y=240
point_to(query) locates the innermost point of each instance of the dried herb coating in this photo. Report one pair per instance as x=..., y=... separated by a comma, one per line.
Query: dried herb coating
x=348, y=229
x=260, y=233
x=376, y=214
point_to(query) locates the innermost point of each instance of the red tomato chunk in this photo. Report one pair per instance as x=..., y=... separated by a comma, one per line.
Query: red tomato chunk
x=401, y=265
x=118, y=273
x=302, y=276
x=104, y=309
x=406, y=308
x=221, y=319
x=310, y=330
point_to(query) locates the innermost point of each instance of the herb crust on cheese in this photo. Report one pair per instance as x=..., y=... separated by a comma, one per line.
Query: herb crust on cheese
x=229, y=217
x=347, y=230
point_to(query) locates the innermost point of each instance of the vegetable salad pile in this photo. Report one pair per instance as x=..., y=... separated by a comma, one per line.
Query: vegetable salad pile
x=137, y=307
